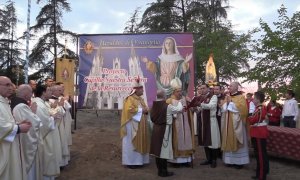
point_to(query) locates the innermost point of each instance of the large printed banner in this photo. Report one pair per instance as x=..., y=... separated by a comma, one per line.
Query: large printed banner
x=109, y=64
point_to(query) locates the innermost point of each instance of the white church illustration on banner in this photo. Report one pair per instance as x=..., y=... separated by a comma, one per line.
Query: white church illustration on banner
x=111, y=99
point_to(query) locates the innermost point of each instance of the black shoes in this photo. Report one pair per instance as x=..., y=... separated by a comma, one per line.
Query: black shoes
x=165, y=174
x=254, y=177
x=134, y=166
x=213, y=164
x=238, y=166
x=205, y=162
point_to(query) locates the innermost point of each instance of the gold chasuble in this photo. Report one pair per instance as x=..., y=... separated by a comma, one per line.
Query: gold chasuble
x=140, y=133
x=232, y=136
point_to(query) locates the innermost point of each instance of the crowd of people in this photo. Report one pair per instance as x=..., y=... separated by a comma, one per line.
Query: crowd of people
x=227, y=125
x=35, y=130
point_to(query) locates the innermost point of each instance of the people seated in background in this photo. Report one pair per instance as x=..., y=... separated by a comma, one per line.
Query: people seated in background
x=290, y=110
x=273, y=113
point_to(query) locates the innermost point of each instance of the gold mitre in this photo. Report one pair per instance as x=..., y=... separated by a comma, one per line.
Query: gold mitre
x=176, y=84
x=136, y=85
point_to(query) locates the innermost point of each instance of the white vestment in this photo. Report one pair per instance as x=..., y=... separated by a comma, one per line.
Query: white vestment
x=64, y=154
x=30, y=142
x=50, y=161
x=166, y=148
x=10, y=161
x=129, y=155
x=241, y=156
x=214, y=126
x=68, y=122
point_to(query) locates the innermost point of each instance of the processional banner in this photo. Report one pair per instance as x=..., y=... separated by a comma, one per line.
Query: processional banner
x=65, y=71
x=109, y=64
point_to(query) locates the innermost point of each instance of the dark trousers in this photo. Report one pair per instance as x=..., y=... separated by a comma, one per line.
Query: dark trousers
x=211, y=154
x=274, y=123
x=161, y=165
x=288, y=121
x=262, y=160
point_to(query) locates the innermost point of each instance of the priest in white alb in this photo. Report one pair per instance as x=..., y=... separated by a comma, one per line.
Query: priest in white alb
x=10, y=161
x=50, y=160
x=29, y=142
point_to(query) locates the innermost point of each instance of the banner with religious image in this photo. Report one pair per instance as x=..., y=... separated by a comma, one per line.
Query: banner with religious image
x=65, y=70
x=109, y=64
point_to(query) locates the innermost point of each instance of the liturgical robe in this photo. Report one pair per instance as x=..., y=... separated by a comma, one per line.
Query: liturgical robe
x=183, y=134
x=10, y=160
x=161, y=116
x=234, y=136
x=134, y=132
x=30, y=143
x=50, y=162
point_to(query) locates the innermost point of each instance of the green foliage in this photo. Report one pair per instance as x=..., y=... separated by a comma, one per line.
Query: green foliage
x=9, y=45
x=50, y=37
x=278, y=54
x=212, y=33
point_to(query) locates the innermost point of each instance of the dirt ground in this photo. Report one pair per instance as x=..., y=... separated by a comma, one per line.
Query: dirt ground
x=96, y=154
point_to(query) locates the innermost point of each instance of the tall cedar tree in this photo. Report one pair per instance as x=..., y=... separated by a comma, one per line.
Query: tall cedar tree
x=9, y=45
x=50, y=37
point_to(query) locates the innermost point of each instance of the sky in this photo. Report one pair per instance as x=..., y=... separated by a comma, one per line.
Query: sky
x=110, y=16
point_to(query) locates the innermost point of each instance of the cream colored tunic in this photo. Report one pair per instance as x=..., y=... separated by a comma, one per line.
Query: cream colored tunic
x=30, y=142
x=10, y=161
x=64, y=154
x=50, y=162
x=167, y=149
x=68, y=122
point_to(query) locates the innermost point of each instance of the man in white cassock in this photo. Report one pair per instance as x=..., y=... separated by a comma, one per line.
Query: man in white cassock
x=50, y=161
x=10, y=160
x=29, y=142
x=56, y=103
x=134, y=129
x=67, y=117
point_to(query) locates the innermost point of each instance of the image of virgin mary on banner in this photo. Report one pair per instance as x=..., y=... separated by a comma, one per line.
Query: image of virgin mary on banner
x=108, y=64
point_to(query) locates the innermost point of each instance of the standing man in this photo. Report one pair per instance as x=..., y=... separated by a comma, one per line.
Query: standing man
x=49, y=82
x=220, y=96
x=56, y=103
x=50, y=163
x=134, y=129
x=250, y=104
x=30, y=142
x=183, y=130
x=32, y=84
x=161, y=141
x=290, y=110
x=259, y=134
x=209, y=135
x=10, y=161
x=234, y=136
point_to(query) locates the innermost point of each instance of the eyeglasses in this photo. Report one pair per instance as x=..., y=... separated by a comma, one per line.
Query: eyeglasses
x=7, y=84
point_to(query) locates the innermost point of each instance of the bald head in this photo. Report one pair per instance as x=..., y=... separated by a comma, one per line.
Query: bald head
x=234, y=87
x=24, y=91
x=160, y=94
x=6, y=89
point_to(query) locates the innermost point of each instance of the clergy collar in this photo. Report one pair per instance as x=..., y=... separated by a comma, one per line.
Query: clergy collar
x=160, y=99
